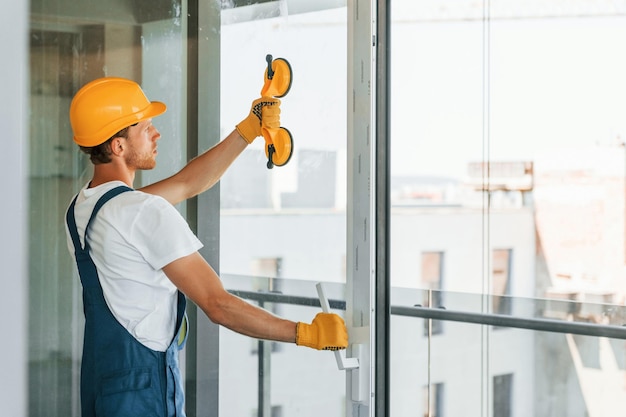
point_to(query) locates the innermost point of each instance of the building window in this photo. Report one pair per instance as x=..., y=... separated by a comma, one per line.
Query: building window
x=267, y=267
x=501, y=281
x=432, y=277
x=502, y=395
x=433, y=400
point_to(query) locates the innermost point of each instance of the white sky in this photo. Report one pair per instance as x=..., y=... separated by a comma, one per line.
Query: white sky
x=458, y=93
x=551, y=84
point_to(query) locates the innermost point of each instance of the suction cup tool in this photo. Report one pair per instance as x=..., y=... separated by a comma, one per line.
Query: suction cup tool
x=278, y=146
x=278, y=77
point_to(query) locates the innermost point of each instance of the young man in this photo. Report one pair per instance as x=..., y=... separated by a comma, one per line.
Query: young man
x=138, y=259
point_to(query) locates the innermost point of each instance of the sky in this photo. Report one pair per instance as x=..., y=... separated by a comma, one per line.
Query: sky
x=528, y=88
x=461, y=90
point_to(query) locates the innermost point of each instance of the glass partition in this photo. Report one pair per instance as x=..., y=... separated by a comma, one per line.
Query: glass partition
x=536, y=366
x=507, y=192
x=507, y=153
x=165, y=46
x=277, y=379
x=507, y=182
x=508, y=369
x=70, y=45
x=288, y=221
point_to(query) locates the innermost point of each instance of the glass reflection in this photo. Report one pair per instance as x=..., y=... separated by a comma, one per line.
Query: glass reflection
x=295, y=212
x=507, y=180
x=508, y=158
x=71, y=44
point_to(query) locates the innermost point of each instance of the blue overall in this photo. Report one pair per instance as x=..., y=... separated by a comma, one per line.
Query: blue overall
x=119, y=375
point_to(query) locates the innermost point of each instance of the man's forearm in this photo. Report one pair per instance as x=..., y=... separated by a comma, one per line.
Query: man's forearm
x=242, y=317
x=204, y=171
x=201, y=173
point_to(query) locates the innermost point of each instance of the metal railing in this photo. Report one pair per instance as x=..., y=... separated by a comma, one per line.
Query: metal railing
x=492, y=319
x=566, y=309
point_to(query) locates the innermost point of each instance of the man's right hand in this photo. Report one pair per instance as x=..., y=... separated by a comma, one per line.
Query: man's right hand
x=327, y=332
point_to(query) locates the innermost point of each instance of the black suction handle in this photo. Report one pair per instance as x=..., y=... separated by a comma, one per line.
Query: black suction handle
x=270, y=72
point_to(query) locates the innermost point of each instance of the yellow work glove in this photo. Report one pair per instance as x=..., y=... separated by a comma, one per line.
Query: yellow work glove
x=326, y=332
x=265, y=112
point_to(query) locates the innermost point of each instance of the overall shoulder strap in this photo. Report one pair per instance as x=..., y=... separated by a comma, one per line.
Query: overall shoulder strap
x=71, y=220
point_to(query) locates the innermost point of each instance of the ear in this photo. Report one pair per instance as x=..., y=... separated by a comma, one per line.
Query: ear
x=117, y=145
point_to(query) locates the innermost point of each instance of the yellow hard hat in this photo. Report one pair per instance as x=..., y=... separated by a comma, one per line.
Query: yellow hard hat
x=103, y=107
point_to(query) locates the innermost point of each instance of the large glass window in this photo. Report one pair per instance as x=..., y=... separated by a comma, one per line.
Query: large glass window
x=285, y=222
x=508, y=178
x=501, y=281
x=288, y=221
x=71, y=44
x=507, y=153
x=297, y=211
x=431, y=279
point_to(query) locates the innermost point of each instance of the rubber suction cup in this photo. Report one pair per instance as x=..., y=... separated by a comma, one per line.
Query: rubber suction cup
x=278, y=79
x=279, y=148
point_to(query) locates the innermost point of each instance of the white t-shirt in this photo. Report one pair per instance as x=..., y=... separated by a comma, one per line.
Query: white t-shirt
x=132, y=238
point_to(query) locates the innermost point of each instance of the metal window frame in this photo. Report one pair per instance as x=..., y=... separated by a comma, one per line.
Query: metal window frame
x=382, y=284
x=203, y=75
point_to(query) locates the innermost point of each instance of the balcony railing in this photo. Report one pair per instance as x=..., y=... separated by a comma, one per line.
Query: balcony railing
x=568, y=374
x=440, y=313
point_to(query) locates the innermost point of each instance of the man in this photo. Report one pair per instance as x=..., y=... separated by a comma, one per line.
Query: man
x=138, y=259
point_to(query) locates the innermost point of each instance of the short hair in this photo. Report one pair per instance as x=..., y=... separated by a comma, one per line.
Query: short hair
x=101, y=154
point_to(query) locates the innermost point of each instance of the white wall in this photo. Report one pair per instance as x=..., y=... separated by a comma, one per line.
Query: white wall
x=13, y=211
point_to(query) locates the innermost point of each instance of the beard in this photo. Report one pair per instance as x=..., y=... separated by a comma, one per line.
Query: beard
x=138, y=160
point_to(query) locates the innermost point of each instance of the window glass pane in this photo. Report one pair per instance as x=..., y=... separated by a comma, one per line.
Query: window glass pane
x=432, y=277
x=507, y=154
x=295, y=212
x=501, y=126
x=70, y=45
x=500, y=284
x=436, y=97
x=261, y=375
x=502, y=395
x=288, y=221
